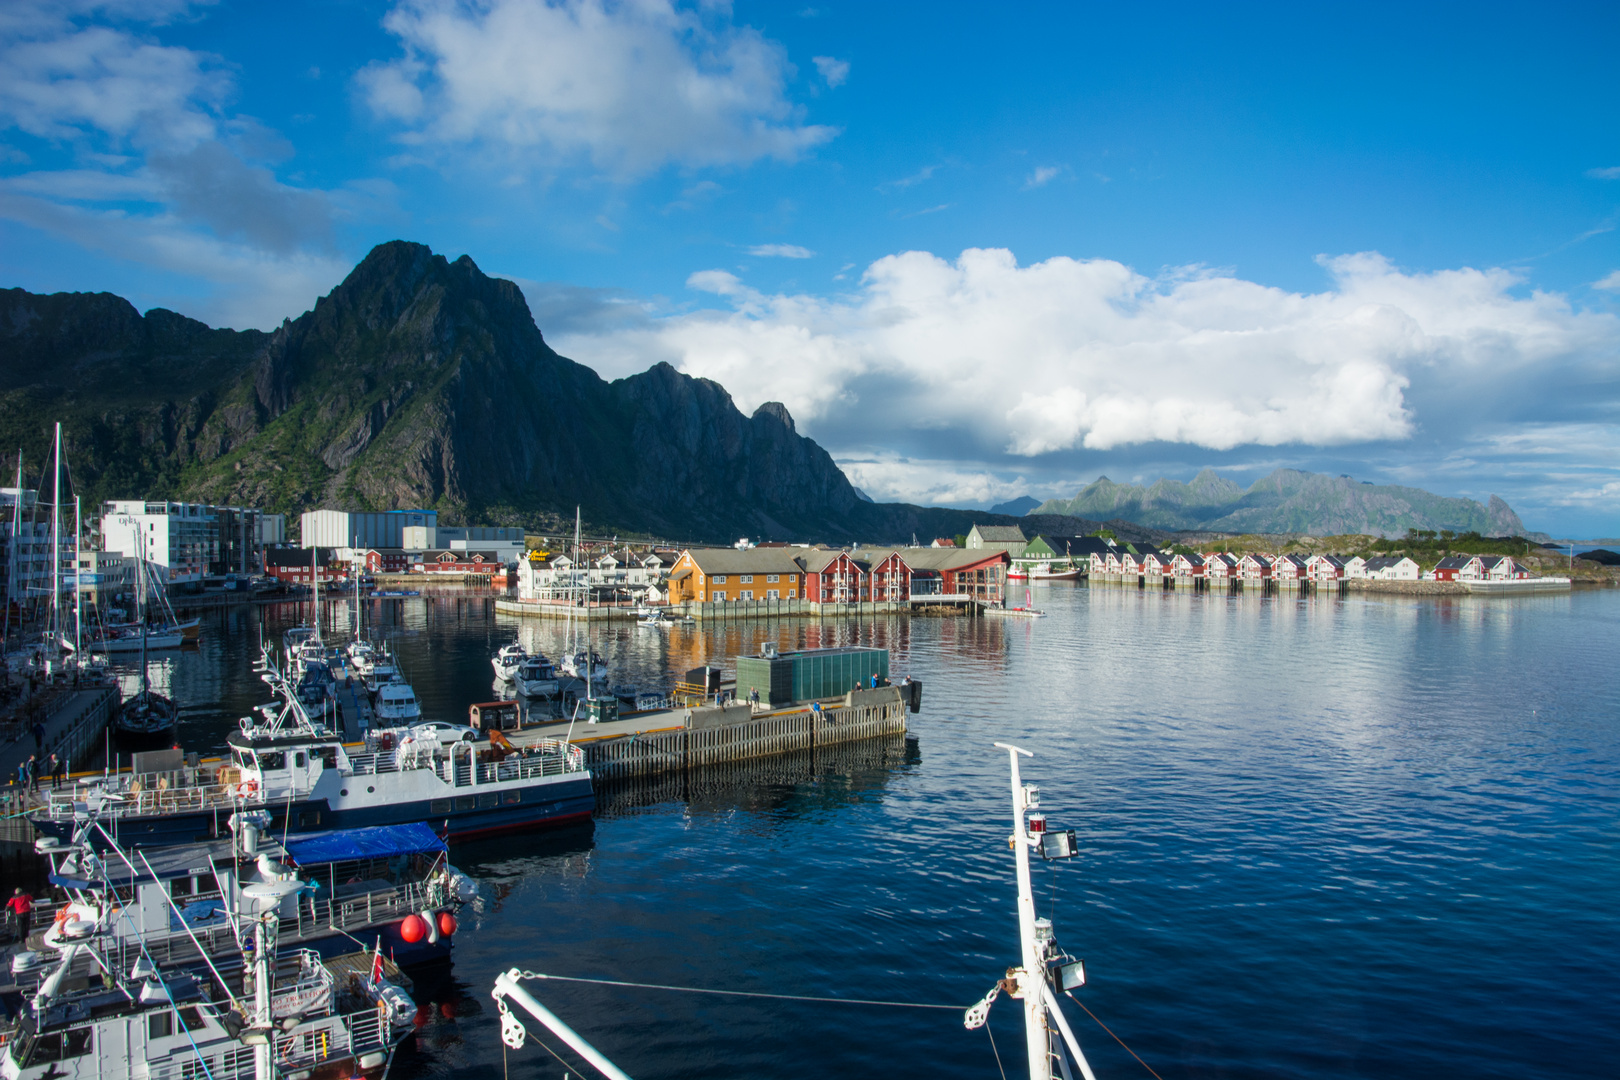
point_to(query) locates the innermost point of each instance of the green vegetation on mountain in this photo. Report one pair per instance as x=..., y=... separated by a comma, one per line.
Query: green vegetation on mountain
x=1287, y=501
x=417, y=382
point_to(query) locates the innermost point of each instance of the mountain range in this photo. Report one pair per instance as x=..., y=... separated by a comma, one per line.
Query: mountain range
x=1287, y=501
x=417, y=382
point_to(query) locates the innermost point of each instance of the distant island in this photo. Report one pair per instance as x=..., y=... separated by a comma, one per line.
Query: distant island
x=1288, y=501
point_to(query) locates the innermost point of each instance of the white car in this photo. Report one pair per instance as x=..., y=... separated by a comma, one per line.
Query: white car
x=447, y=733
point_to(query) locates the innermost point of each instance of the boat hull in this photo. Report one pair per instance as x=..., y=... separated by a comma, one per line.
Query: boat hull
x=459, y=817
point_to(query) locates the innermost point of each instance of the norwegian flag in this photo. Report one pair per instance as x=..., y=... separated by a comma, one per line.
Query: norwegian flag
x=376, y=963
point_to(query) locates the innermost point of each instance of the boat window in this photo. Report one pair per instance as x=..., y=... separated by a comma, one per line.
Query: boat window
x=77, y=1042
x=159, y=1024
x=180, y=887
x=328, y=754
x=191, y=1017
x=299, y=759
x=272, y=759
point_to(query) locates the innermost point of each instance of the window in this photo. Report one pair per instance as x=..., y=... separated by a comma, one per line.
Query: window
x=773, y=594
x=772, y=579
x=299, y=760
x=746, y=579
x=465, y=802
x=746, y=594
x=309, y=819
x=718, y=579
x=160, y=1024
x=439, y=806
x=489, y=800
x=191, y=1017
x=718, y=597
x=511, y=798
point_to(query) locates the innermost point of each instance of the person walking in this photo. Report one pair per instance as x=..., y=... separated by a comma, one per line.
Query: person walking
x=32, y=766
x=21, y=905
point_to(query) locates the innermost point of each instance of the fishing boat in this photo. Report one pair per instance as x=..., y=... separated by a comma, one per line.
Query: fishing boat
x=507, y=660
x=114, y=1003
x=305, y=778
x=1060, y=572
x=176, y=904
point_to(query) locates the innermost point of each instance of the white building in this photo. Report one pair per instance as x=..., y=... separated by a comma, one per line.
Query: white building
x=503, y=542
x=1389, y=568
x=340, y=528
x=180, y=539
x=557, y=578
x=272, y=530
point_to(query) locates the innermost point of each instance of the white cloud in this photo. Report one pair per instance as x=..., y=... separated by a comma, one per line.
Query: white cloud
x=629, y=86
x=833, y=70
x=1043, y=175
x=1604, y=174
x=165, y=176
x=781, y=251
x=1087, y=354
x=930, y=482
x=1612, y=281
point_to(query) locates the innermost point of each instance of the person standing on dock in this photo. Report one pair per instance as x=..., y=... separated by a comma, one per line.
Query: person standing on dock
x=21, y=905
x=58, y=770
x=32, y=768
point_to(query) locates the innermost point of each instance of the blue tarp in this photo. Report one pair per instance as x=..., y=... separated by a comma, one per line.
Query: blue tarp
x=377, y=842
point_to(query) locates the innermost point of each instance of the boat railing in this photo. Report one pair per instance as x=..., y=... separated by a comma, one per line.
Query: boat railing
x=550, y=757
x=154, y=793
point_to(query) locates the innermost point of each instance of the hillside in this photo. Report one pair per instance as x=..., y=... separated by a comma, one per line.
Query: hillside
x=416, y=382
x=1287, y=501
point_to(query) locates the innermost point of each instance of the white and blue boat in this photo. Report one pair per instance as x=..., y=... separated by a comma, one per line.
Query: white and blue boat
x=306, y=779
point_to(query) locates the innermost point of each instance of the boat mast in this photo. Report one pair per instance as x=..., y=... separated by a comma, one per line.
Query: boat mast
x=56, y=549
x=141, y=608
x=16, y=539
x=315, y=580
x=78, y=593
x=1031, y=978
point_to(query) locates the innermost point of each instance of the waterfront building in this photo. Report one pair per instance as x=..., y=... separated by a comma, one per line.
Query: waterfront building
x=1255, y=568
x=1391, y=568
x=458, y=562
x=25, y=546
x=1355, y=567
x=1289, y=569
x=1188, y=566
x=955, y=574
x=186, y=542
x=1220, y=566
x=622, y=573
x=1453, y=567
x=1325, y=568
x=724, y=575
x=1008, y=538
x=292, y=565
x=380, y=529
x=105, y=575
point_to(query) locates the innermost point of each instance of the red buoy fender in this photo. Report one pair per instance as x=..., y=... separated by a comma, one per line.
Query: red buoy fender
x=412, y=928
x=447, y=923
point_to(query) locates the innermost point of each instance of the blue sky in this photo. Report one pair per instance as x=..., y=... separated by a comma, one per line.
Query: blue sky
x=978, y=251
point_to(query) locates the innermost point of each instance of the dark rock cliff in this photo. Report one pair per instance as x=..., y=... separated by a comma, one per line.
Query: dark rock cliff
x=416, y=382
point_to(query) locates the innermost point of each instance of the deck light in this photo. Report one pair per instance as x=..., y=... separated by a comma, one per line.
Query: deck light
x=1037, y=825
x=1058, y=845
x=1070, y=976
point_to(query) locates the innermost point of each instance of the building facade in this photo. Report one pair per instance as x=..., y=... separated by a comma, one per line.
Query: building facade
x=380, y=529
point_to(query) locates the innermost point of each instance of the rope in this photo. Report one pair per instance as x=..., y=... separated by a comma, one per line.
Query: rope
x=1116, y=1038
x=994, y=1051
x=741, y=993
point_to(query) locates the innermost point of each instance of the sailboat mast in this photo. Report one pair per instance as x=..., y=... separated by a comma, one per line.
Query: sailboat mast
x=16, y=538
x=315, y=580
x=141, y=608
x=56, y=549
x=78, y=593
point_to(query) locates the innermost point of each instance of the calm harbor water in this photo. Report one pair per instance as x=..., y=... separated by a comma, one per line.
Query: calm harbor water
x=1320, y=838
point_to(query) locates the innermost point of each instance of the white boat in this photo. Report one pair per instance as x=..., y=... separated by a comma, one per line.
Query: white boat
x=507, y=661
x=383, y=671
x=537, y=677
x=584, y=665
x=656, y=618
x=396, y=705
x=362, y=657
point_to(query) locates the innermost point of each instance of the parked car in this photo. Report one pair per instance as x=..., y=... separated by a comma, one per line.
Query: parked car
x=447, y=733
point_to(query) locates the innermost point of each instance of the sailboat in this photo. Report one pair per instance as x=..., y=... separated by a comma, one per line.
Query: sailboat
x=580, y=663
x=148, y=713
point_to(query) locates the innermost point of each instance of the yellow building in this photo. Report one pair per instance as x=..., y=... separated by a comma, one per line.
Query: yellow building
x=726, y=575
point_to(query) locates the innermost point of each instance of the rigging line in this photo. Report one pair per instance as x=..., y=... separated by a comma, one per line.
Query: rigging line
x=1116, y=1038
x=742, y=993
x=994, y=1051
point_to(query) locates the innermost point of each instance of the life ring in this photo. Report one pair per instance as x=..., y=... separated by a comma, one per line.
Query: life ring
x=247, y=789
